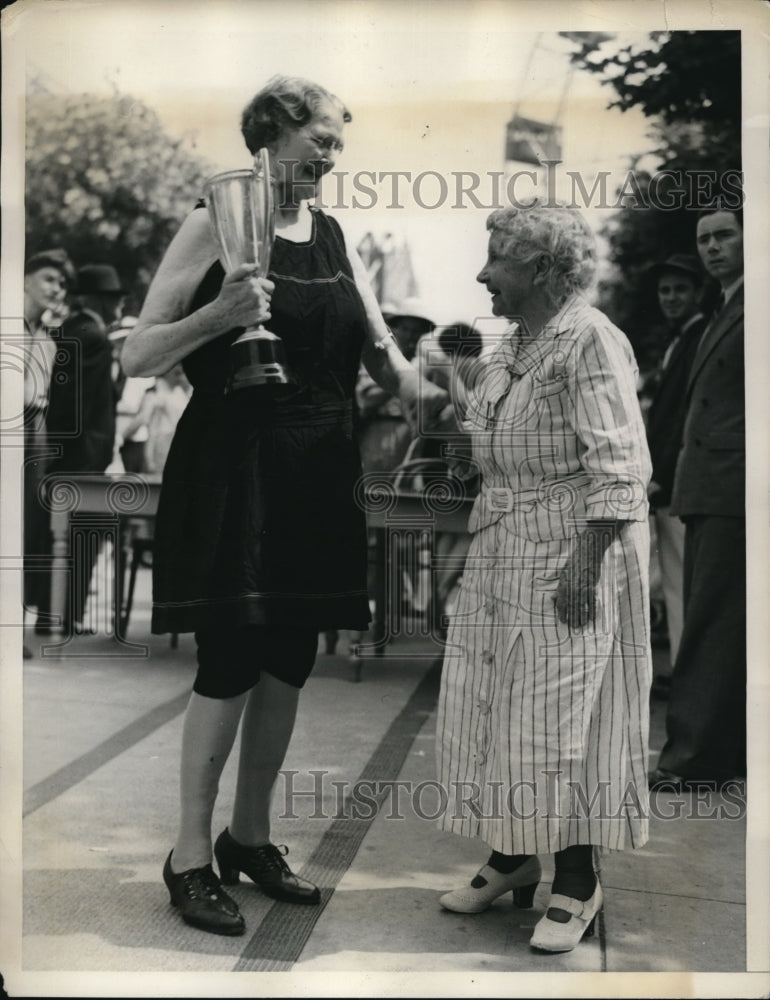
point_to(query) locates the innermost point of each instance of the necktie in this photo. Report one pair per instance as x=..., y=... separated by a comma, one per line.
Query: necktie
x=705, y=335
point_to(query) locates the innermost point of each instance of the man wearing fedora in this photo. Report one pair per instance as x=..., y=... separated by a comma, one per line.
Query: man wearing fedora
x=81, y=410
x=679, y=281
x=706, y=718
x=48, y=276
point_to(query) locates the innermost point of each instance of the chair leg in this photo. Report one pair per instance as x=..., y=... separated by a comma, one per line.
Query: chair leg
x=380, y=625
x=121, y=562
x=174, y=640
x=136, y=557
x=354, y=642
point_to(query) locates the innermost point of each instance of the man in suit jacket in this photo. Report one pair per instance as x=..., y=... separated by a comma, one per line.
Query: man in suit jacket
x=81, y=410
x=47, y=278
x=679, y=283
x=706, y=720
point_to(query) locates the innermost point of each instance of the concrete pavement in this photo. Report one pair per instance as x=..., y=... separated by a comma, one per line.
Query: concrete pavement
x=101, y=743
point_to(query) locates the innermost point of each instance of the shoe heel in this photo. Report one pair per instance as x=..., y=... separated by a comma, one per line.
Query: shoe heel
x=227, y=874
x=589, y=931
x=524, y=895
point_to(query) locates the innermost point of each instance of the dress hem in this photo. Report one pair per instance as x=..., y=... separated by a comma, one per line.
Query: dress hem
x=333, y=613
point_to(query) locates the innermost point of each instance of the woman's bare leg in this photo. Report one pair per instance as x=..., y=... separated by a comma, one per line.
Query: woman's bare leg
x=268, y=722
x=210, y=726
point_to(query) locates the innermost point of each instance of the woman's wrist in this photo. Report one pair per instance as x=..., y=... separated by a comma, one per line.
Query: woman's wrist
x=409, y=380
x=602, y=531
x=211, y=321
x=591, y=544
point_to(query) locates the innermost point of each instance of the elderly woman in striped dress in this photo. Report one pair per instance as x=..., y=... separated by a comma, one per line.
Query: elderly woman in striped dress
x=543, y=714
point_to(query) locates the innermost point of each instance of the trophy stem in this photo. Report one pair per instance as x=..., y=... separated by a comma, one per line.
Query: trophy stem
x=251, y=333
x=258, y=358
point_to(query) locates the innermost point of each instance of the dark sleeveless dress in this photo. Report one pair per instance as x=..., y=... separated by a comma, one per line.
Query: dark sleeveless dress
x=258, y=521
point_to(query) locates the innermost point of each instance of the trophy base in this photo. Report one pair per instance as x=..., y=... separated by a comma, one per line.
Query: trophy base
x=258, y=358
x=271, y=374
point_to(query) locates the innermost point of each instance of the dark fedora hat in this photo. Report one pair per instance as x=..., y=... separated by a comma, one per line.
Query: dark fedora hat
x=684, y=262
x=99, y=279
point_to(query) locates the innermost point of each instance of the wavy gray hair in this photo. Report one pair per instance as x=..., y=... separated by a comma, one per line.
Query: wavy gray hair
x=557, y=231
x=285, y=102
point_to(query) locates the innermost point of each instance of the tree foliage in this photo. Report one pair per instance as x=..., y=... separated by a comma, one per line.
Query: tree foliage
x=688, y=83
x=691, y=76
x=106, y=182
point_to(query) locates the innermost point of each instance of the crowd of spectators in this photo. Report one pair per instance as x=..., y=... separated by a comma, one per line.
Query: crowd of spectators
x=81, y=413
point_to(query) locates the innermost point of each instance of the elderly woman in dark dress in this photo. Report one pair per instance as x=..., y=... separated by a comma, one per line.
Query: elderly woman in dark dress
x=259, y=542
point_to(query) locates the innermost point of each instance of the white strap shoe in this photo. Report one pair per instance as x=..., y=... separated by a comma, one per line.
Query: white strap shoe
x=488, y=884
x=550, y=935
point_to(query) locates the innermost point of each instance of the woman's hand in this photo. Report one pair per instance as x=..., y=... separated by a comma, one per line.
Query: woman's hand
x=575, y=597
x=244, y=299
x=652, y=489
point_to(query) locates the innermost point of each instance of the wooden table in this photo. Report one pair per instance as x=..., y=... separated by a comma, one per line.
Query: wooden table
x=103, y=503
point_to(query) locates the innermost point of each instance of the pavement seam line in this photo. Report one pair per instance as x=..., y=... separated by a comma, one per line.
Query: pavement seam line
x=82, y=767
x=281, y=936
x=676, y=895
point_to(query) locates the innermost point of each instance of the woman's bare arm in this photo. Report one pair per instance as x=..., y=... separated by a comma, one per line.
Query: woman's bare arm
x=166, y=331
x=385, y=362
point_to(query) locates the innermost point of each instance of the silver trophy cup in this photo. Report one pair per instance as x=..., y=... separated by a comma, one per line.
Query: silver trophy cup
x=240, y=205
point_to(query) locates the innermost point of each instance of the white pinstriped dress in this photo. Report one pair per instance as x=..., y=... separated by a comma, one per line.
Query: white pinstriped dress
x=542, y=730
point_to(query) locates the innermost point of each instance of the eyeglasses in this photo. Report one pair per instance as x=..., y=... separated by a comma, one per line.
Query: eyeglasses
x=326, y=143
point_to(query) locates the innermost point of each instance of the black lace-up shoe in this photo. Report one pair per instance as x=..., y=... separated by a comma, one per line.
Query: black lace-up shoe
x=264, y=866
x=201, y=900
